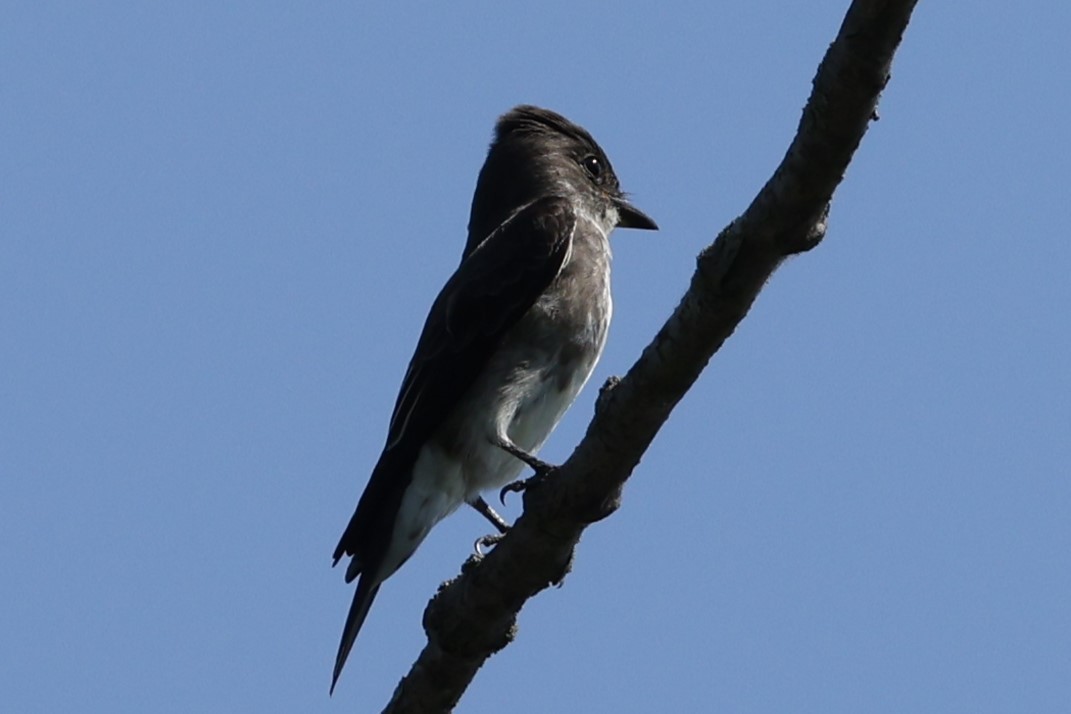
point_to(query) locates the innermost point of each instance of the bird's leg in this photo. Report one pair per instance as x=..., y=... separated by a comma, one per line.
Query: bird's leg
x=496, y=520
x=487, y=512
x=542, y=469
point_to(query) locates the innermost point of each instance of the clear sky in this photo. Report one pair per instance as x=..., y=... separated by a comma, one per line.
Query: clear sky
x=221, y=226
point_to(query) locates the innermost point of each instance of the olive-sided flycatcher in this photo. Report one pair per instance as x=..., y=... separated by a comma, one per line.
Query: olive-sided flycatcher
x=509, y=342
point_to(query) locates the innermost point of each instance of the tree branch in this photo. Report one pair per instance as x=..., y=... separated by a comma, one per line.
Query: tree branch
x=474, y=615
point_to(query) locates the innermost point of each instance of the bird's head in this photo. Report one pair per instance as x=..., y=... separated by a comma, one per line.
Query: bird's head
x=537, y=152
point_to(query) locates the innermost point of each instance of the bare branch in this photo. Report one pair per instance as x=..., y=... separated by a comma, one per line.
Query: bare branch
x=474, y=615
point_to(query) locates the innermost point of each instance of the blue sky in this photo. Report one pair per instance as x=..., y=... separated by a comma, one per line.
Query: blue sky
x=222, y=227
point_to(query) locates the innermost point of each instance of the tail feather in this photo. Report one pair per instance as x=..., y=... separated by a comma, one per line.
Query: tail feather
x=362, y=601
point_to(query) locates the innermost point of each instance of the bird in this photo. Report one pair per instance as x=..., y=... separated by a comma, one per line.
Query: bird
x=508, y=344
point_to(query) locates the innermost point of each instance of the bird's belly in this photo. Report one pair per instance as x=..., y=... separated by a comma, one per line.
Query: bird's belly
x=540, y=410
x=444, y=478
x=527, y=410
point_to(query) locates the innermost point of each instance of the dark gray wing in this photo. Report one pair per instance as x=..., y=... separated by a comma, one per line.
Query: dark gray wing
x=490, y=291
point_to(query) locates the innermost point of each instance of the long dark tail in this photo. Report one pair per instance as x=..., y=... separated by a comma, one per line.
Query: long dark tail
x=362, y=600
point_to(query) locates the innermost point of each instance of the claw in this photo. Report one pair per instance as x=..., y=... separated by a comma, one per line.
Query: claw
x=514, y=487
x=487, y=541
x=542, y=470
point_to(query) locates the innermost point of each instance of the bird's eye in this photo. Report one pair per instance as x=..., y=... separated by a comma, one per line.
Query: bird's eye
x=593, y=166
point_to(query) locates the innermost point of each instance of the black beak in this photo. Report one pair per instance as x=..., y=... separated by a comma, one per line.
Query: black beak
x=631, y=217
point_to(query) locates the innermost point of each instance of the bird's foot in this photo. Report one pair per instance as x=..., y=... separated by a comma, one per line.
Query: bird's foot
x=542, y=470
x=487, y=541
x=526, y=484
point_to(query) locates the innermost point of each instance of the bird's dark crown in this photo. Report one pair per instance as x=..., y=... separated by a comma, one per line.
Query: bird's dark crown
x=546, y=132
x=529, y=121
